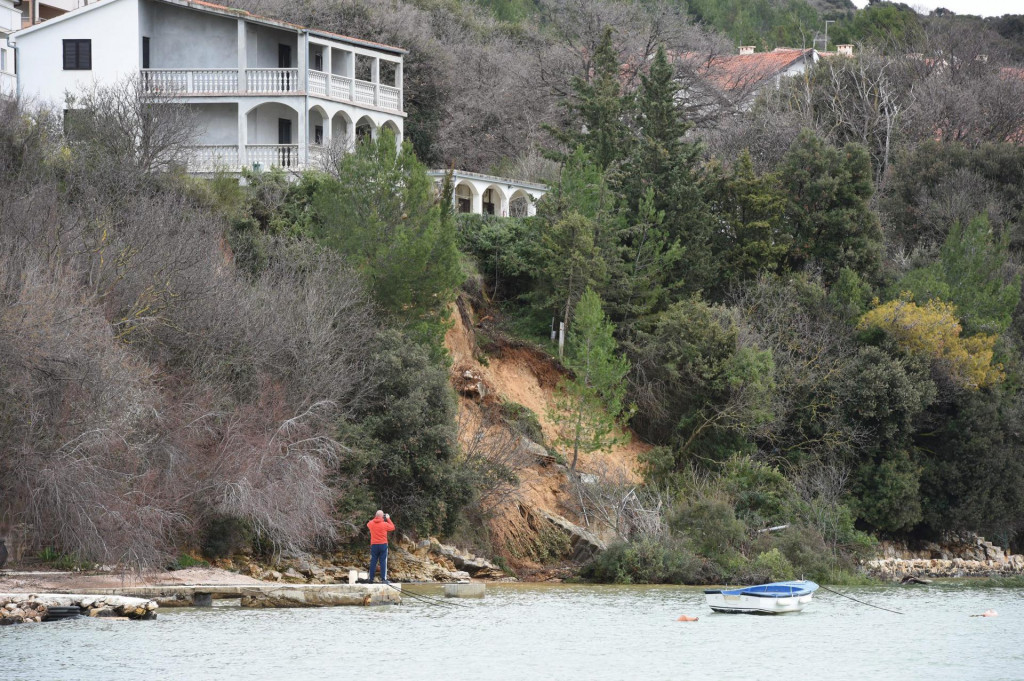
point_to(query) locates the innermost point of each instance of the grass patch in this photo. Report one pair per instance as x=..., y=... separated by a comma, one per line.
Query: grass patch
x=185, y=561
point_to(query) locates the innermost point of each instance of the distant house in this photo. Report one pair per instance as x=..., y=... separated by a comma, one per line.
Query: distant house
x=490, y=195
x=715, y=82
x=37, y=11
x=10, y=21
x=266, y=92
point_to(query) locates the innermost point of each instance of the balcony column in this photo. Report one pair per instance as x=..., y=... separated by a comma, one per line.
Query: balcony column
x=350, y=73
x=477, y=203
x=303, y=57
x=398, y=84
x=375, y=78
x=242, y=85
x=243, y=135
x=328, y=51
x=303, y=140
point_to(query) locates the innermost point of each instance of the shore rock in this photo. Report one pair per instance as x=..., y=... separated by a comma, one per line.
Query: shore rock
x=19, y=608
x=962, y=556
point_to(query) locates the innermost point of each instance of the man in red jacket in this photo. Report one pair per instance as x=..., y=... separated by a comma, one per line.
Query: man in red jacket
x=379, y=528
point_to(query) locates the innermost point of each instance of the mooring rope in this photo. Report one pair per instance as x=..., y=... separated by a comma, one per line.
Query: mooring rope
x=870, y=605
x=430, y=600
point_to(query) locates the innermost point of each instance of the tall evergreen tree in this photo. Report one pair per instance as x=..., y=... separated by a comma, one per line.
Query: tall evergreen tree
x=829, y=192
x=590, y=404
x=597, y=112
x=664, y=161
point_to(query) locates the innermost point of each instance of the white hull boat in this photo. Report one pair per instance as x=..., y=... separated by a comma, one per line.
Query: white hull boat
x=764, y=599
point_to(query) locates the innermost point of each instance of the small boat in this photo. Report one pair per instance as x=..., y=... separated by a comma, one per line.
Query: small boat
x=763, y=599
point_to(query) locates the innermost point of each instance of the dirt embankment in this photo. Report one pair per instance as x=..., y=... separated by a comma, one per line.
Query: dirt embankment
x=515, y=372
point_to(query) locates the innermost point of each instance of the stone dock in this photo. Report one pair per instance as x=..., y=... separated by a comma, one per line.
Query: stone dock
x=269, y=595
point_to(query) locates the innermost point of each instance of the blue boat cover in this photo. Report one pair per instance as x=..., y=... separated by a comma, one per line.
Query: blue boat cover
x=773, y=590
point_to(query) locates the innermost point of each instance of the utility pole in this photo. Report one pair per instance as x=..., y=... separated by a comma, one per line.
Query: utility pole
x=827, y=22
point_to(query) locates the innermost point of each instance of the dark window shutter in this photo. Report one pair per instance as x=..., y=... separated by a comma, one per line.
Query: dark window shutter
x=70, y=55
x=85, y=54
x=77, y=55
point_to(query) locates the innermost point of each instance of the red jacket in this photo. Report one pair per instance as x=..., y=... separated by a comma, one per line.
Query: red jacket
x=379, y=528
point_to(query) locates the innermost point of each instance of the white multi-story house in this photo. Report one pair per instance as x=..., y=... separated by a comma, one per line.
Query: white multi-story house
x=265, y=92
x=10, y=21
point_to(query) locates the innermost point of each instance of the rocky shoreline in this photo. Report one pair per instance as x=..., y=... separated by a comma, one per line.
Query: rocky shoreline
x=960, y=556
x=24, y=608
x=427, y=560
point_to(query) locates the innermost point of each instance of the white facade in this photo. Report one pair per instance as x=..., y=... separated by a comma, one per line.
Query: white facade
x=264, y=91
x=10, y=21
x=490, y=195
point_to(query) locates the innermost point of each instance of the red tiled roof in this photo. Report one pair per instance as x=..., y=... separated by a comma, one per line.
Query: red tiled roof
x=242, y=12
x=743, y=70
x=738, y=71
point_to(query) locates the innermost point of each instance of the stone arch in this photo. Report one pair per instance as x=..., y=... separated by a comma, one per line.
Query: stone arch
x=466, y=197
x=520, y=204
x=319, y=132
x=342, y=129
x=272, y=135
x=390, y=125
x=494, y=201
x=365, y=128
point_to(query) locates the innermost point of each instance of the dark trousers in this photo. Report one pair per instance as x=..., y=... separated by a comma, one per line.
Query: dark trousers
x=379, y=553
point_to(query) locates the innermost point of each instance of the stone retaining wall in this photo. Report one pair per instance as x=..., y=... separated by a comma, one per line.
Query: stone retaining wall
x=19, y=608
x=961, y=556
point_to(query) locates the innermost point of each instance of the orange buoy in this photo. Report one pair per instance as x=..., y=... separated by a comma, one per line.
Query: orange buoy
x=686, y=618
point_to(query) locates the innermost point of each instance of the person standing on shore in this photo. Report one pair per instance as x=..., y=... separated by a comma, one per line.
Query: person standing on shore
x=379, y=528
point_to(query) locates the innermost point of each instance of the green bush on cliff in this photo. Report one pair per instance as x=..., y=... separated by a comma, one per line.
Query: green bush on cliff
x=646, y=561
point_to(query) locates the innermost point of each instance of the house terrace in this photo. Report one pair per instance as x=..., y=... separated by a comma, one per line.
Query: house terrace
x=264, y=91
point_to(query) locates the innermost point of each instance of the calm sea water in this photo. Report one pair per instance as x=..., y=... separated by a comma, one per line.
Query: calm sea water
x=546, y=632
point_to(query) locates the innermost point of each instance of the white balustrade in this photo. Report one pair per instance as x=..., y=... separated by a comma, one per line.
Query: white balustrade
x=365, y=93
x=341, y=88
x=210, y=158
x=269, y=81
x=272, y=81
x=271, y=155
x=190, y=81
x=390, y=98
x=318, y=83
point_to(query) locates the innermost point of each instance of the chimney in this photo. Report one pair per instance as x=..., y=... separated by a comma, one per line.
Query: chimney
x=746, y=49
x=845, y=50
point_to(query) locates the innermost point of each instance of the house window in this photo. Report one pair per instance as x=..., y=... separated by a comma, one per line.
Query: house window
x=318, y=134
x=78, y=55
x=3, y=60
x=318, y=61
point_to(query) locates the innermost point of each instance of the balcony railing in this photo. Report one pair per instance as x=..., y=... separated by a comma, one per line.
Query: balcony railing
x=190, y=81
x=271, y=155
x=272, y=81
x=269, y=82
x=210, y=158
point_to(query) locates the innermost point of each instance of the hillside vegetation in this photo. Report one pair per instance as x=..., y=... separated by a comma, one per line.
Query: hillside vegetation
x=806, y=304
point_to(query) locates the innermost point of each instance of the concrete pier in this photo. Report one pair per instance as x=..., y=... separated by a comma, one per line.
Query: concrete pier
x=265, y=595
x=464, y=590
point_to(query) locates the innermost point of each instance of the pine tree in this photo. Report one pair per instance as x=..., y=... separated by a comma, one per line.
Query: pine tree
x=663, y=160
x=589, y=405
x=751, y=208
x=597, y=112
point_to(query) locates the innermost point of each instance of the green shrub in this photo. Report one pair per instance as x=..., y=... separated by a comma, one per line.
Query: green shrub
x=646, y=561
x=771, y=566
x=712, y=528
x=522, y=420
